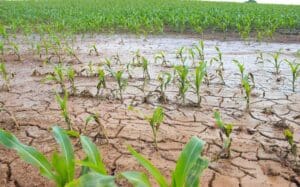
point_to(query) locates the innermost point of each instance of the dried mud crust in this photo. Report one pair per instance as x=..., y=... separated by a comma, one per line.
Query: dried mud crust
x=259, y=151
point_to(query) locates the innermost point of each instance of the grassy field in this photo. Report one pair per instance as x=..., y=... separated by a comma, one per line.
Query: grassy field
x=152, y=16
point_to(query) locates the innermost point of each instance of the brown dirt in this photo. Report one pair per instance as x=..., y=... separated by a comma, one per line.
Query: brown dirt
x=259, y=151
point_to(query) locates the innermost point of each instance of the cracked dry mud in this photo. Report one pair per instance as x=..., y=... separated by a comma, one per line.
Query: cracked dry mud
x=259, y=150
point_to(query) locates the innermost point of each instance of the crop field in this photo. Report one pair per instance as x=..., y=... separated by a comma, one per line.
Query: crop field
x=149, y=93
x=152, y=16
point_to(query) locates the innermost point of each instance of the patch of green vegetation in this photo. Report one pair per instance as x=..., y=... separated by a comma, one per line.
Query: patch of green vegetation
x=151, y=16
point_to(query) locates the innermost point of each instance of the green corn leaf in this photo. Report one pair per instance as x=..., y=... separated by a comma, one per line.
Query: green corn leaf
x=93, y=179
x=158, y=116
x=93, y=154
x=186, y=164
x=148, y=165
x=27, y=153
x=67, y=151
x=195, y=172
x=58, y=162
x=137, y=179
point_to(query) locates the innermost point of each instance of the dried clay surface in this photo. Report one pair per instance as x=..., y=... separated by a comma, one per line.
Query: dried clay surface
x=260, y=154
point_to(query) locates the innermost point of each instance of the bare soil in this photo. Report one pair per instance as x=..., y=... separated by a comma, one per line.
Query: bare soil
x=260, y=154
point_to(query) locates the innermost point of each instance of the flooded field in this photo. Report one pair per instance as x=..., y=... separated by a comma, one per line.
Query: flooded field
x=260, y=154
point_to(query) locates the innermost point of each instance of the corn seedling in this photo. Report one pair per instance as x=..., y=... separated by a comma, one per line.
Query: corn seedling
x=218, y=59
x=276, y=62
x=61, y=168
x=5, y=76
x=145, y=65
x=109, y=67
x=226, y=129
x=72, y=53
x=57, y=47
x=188, y=170
x=71, y=78
x=58, y=77
x=95, y=117
x=247, y=88
x=136, y=60
x=155, y=121
x=290, y=138
x=240, y=66
x=39, y=50
x=101, y=80
x=63, y=105
x=94, y=49
x=180, y=55
x=121, y=81
x=260, y=58
x=192, y=55
x=162, y=57
x=117, y=59
x=295, y=70
x=182, y=72
x=200, y=49
x=16, y=50
x=90, y=71
x=11, y=115
x=164, y=80
x=200, y=73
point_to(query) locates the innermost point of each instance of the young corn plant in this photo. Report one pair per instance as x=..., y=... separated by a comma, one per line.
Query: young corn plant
x=16, y=50
x=180, y=55
x=61, y=169
x=162, y=57
x=182, y=72
x=260, y=57
x=63, y=105
x=295, y=70
x=94, y=49
x=192, y=55
x=188, y=170
x=121, y=81
x=240, y=66
x=145, y=66
x=200, y=73
x=226, y=129
x=72, y=53
x=90, y=71
x=101, y=81
x=95, y=117
x=218, y=59
x=5, y=76
x=155, y=121
x=109, y=67
x=290, y=138
x=276, y=62
x=247, y=88
x=58, y=77
x=71, y=77
x=164, y=80
x=200, y=49
x=136, y=60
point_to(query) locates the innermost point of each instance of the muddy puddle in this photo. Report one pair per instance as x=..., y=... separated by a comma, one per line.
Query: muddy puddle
x=260, y=154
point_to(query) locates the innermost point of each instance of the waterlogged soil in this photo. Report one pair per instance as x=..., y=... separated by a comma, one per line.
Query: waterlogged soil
x=259, y=153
